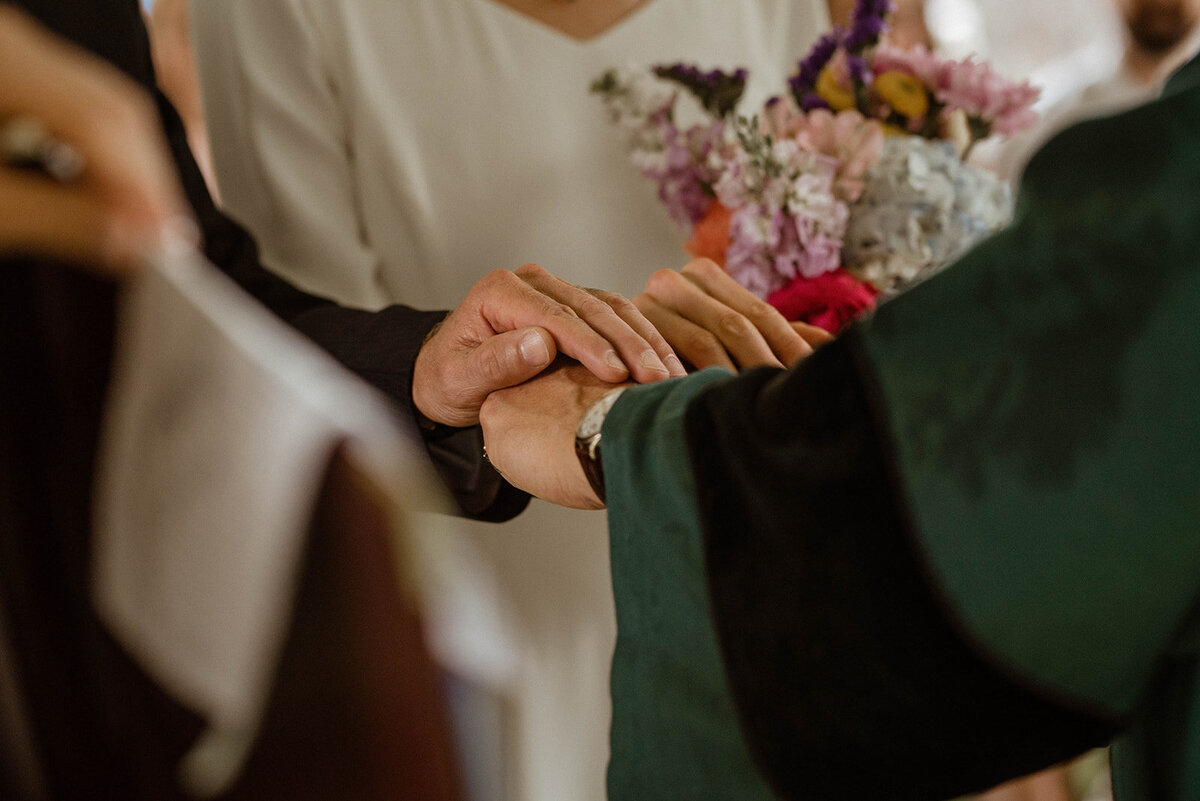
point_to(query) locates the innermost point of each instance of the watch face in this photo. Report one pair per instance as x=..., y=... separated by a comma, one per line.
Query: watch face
x=593, y=419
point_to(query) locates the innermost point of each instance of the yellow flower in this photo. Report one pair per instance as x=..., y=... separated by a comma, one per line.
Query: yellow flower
x=838, y=98
x=890, y=130
x=904, y=93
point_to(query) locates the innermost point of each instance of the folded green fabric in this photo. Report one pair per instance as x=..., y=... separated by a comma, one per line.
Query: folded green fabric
x=675, y=733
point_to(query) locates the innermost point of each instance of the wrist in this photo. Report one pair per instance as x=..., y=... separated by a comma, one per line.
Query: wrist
x=588, y=439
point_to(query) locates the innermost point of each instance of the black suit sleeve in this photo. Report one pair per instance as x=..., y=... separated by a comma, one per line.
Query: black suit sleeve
x=380, y=347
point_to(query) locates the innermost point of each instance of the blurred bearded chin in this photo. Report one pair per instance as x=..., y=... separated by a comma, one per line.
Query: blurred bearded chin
x=1158, y=27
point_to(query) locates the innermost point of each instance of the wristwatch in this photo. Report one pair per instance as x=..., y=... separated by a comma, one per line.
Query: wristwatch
x=587, y=439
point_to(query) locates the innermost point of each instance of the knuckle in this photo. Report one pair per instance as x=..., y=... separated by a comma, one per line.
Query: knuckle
x=661, y=281
x=660, y=345
x=703, y=343
x=497, y=275
x=736, y=325
x=562, y=311
x=622, y=304
x=492, y=366
x=530, y=270
x=763, y=312
x=495, y=279
x=591, y=306
x=702, y=267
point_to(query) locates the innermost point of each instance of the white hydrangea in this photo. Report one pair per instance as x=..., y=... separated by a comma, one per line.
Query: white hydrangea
x=922, y=209
x=635, y=100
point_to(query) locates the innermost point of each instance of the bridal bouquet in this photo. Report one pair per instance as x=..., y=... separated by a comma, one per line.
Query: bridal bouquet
x=854, y=183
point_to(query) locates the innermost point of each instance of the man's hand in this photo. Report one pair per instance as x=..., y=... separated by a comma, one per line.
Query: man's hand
x=511, y=326
x=529, y=433
x=711, y=320
x=127, y=192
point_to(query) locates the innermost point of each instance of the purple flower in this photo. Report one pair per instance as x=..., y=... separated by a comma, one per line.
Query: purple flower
x=805, y=78
x=719, y=92
x=819, y=252
x=860, y=71
x=753, y=237
x=682, y=172
x=813, y=101
x=868, y=24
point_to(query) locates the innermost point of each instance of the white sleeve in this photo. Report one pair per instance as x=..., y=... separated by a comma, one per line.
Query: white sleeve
x=280, y=146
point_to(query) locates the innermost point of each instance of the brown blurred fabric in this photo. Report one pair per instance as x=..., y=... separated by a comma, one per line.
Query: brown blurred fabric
x=356, y=712
x=358, y=707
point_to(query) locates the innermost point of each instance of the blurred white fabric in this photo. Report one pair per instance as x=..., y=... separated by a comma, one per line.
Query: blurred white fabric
x=218, y=431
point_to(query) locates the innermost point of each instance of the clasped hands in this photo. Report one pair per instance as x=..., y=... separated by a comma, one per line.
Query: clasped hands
x=699, y=313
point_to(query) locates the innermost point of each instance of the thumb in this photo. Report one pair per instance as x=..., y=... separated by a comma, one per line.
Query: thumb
x=511, y=358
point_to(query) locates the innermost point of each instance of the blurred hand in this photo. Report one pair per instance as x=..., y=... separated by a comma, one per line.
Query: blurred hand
x=127, y=192
x=712, y=320
x=529, y=432
x=510, y=327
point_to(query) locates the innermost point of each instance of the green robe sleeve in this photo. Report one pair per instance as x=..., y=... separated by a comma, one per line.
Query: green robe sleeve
x=675, y=733
x=1042, y=397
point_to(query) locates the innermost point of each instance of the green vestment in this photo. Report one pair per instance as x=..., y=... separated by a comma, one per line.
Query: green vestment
x=1036, y=409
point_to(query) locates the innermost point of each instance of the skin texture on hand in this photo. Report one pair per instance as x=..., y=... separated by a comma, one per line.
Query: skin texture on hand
x=708, y=317
x=510, y=327
x=127, y=193
x=529, y=433
x=713, y=321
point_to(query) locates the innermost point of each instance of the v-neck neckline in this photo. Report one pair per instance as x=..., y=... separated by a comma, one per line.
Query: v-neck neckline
x=612, y=30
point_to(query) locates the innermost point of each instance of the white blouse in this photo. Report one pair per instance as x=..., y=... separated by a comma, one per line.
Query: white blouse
x=390, y=151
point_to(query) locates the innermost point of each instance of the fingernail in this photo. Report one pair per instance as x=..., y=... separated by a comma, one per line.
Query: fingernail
x=534, y=350
x=613, y=360
x=674, y=366
x=651, y=361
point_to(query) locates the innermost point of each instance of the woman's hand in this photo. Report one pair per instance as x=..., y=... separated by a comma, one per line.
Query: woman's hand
x=127, y=192
x=711, y=320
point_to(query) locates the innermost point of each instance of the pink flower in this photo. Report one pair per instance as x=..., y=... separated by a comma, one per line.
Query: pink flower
x=1001, y=105
x=916, y=61
x=973, y=87
x=854, y=141
x=684, y=179
x=831, y=300
x=753, y=239
x=781, y=118
x=820, y=253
